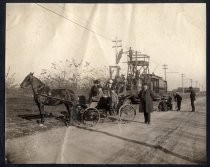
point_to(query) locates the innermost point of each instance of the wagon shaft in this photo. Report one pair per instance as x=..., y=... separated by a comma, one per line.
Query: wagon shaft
x=65, y=101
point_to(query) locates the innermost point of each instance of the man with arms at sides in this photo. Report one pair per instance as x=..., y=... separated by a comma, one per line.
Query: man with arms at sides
x=146, y=102
x=192, y=98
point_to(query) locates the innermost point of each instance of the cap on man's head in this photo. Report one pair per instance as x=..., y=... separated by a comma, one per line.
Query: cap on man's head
x=96, y=81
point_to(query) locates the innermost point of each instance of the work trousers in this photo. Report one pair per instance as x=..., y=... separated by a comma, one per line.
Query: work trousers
x=146, y=114
x=146, y=117
x=179, y=104
x=192, y=104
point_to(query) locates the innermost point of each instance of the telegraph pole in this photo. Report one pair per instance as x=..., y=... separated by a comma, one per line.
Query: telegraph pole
x=164, y=68
x=191, y=82
x=182, y=75
x=117, y=45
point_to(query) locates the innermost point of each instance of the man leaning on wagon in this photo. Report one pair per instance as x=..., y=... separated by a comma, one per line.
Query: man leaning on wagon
x=178, y=99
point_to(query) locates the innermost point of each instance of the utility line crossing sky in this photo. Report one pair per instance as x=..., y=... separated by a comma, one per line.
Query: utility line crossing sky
x=173, y=34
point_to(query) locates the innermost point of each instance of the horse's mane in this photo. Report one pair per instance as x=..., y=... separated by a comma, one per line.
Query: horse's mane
x=40, y=82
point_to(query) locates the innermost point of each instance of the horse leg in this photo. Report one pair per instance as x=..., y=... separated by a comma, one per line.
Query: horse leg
x=69, y=118
x=42, y=114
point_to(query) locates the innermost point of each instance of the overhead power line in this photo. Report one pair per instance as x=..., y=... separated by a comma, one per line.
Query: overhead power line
x=64, y=17
x=81, y=19
x=191, y=82
x=101, y=35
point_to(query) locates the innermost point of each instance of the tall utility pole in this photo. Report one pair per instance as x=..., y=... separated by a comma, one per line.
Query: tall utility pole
x=191, y=82
x=118, y=43
x=182, y=75
x=164, y=68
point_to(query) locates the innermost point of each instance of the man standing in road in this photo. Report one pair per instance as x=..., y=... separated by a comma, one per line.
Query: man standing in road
x=146, y=97
x=192, y=98
x=178, y=99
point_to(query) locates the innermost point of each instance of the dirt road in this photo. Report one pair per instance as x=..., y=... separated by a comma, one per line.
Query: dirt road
x=172, y=138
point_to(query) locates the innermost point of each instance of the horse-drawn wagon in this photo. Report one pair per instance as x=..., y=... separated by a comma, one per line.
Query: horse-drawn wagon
x=90, y=116
x=78, y=110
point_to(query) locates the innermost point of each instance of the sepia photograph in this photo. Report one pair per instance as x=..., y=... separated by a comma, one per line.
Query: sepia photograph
x=105, y=83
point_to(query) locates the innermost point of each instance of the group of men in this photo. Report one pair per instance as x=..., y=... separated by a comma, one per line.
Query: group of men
x=103, y=96
x=178, y=99
x=146, y=95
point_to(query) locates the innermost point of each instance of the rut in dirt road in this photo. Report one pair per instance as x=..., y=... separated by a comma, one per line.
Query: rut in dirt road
x=172, y=138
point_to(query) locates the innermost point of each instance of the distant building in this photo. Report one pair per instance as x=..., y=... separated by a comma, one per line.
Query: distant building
x=186, y=90
x=157, y=84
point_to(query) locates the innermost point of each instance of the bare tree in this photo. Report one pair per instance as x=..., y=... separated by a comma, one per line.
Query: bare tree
x=10, y=80
x=72, y=74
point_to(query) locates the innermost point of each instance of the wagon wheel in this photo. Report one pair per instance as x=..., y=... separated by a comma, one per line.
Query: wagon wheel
x=90, y=117
x=127, y=113
x=165, y=108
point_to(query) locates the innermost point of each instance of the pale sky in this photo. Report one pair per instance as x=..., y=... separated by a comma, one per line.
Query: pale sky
x=172, y=34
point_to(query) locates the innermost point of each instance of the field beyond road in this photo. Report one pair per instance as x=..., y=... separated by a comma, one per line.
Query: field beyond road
x=174, y=137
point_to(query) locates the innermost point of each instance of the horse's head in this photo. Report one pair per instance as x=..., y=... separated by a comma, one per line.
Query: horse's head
x=27, y=81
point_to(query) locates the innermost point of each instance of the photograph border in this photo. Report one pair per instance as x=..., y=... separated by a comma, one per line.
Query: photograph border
x=2, y=64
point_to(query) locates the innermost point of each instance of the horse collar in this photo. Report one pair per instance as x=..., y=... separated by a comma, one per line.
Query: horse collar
x=41, y=87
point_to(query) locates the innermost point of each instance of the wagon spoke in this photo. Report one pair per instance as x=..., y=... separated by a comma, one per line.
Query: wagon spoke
x=127, y=113
x=91, y=117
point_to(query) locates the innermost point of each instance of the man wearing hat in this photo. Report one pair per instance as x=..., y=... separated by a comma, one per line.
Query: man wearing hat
x=192, y=98
x=146, y=97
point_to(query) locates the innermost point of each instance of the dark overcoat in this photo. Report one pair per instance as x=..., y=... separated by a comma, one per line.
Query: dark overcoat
x=178, y=98
x=192, y=95
x=146, y=98
x=93, y=92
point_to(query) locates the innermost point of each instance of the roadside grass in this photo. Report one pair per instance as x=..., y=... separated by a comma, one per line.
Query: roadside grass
x=22, y=114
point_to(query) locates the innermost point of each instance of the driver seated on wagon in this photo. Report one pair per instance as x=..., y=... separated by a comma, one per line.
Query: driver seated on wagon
x=105, y=98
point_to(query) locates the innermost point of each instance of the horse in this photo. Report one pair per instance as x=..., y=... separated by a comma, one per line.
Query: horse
x=44, y=95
